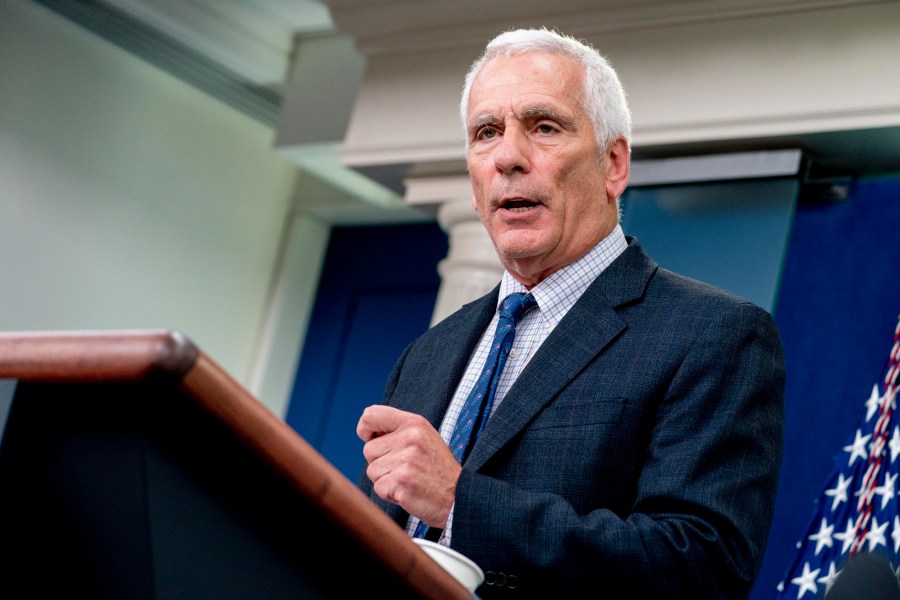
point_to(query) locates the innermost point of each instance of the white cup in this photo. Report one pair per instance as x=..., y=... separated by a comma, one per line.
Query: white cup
x=461, y=567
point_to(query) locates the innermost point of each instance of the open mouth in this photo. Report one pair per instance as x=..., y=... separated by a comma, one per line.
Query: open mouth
x=518, y=205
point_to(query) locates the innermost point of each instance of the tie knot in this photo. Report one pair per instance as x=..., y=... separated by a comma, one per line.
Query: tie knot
x=514, y=305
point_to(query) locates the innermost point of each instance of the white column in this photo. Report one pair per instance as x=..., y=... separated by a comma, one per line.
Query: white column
x=471, y=268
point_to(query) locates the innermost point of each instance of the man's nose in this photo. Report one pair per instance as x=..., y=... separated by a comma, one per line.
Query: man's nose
x=513, y=152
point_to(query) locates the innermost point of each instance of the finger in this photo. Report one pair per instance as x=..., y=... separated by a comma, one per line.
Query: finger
x=376, y=448
x=368, y=428
x=379, y=420
x=385, y=488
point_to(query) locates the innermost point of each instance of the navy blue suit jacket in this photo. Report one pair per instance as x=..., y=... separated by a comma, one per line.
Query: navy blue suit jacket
x=637, y=453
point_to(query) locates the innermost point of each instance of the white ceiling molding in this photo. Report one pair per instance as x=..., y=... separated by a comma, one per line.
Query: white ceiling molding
x=389, y=26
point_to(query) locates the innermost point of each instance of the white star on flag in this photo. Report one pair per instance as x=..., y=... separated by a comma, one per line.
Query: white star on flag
x=822, y=538
x=828, y=578
x=875, y=536
x=895, y=534
x=839, y=491
x=806, y=581
x=894, y=444
x=886, y=491
x=858, y=448
x=847, y=536
x=873, y=402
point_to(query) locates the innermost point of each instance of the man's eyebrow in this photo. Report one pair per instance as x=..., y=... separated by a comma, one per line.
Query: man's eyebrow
x=482, y=120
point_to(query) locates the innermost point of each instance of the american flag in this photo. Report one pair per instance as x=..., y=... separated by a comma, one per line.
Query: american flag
x=858, y=509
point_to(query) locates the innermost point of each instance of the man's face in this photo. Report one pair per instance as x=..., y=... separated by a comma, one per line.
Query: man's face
x=544, y=190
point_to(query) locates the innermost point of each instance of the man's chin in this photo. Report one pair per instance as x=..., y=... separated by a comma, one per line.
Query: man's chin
x=521, y=244
x=519, y=251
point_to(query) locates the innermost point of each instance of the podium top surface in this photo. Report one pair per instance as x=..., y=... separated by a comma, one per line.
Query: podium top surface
x=94, y=355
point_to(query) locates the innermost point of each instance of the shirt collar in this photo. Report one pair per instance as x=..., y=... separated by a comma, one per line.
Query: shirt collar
x=561, y=290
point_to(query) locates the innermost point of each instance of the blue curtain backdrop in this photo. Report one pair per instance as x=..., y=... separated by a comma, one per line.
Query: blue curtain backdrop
x=837, y=309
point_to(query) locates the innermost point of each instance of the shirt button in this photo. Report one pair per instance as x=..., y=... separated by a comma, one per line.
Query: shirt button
x=513, y=353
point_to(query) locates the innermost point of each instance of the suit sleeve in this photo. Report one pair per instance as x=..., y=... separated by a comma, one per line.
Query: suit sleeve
x=701, y=498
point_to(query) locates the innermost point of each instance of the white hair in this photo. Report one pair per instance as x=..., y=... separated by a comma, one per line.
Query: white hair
x=603, y=98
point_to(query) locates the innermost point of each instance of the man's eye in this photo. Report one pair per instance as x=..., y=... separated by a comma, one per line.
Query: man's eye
x=545, y=128
x=487, y=133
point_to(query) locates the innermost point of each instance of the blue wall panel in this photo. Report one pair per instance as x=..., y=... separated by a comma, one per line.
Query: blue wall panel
x=731, y=234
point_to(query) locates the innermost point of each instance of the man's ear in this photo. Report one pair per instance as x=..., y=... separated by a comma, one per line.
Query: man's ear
x=474, y=203
x=618, y=168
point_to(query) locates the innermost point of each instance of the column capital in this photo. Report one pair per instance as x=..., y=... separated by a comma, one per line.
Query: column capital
x=437, y=190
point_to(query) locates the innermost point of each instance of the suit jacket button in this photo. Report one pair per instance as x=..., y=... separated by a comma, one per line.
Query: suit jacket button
x=501, y=579
x=490, y=577
x=512, y=582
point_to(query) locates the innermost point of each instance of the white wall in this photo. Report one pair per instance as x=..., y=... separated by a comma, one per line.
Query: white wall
x=130, y=200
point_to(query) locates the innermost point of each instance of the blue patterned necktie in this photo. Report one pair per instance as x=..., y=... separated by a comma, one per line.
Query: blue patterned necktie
x=477, y=409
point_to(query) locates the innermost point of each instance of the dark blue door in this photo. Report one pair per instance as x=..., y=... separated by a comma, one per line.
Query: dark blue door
x=376, y=294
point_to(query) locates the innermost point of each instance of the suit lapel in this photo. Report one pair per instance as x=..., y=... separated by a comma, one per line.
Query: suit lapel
x=583, y=333
x=455, y=341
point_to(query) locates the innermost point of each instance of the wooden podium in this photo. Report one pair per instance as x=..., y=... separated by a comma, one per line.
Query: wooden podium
x=134, y=467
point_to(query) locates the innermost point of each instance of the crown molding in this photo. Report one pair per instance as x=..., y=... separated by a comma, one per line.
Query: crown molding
x=393, y=26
